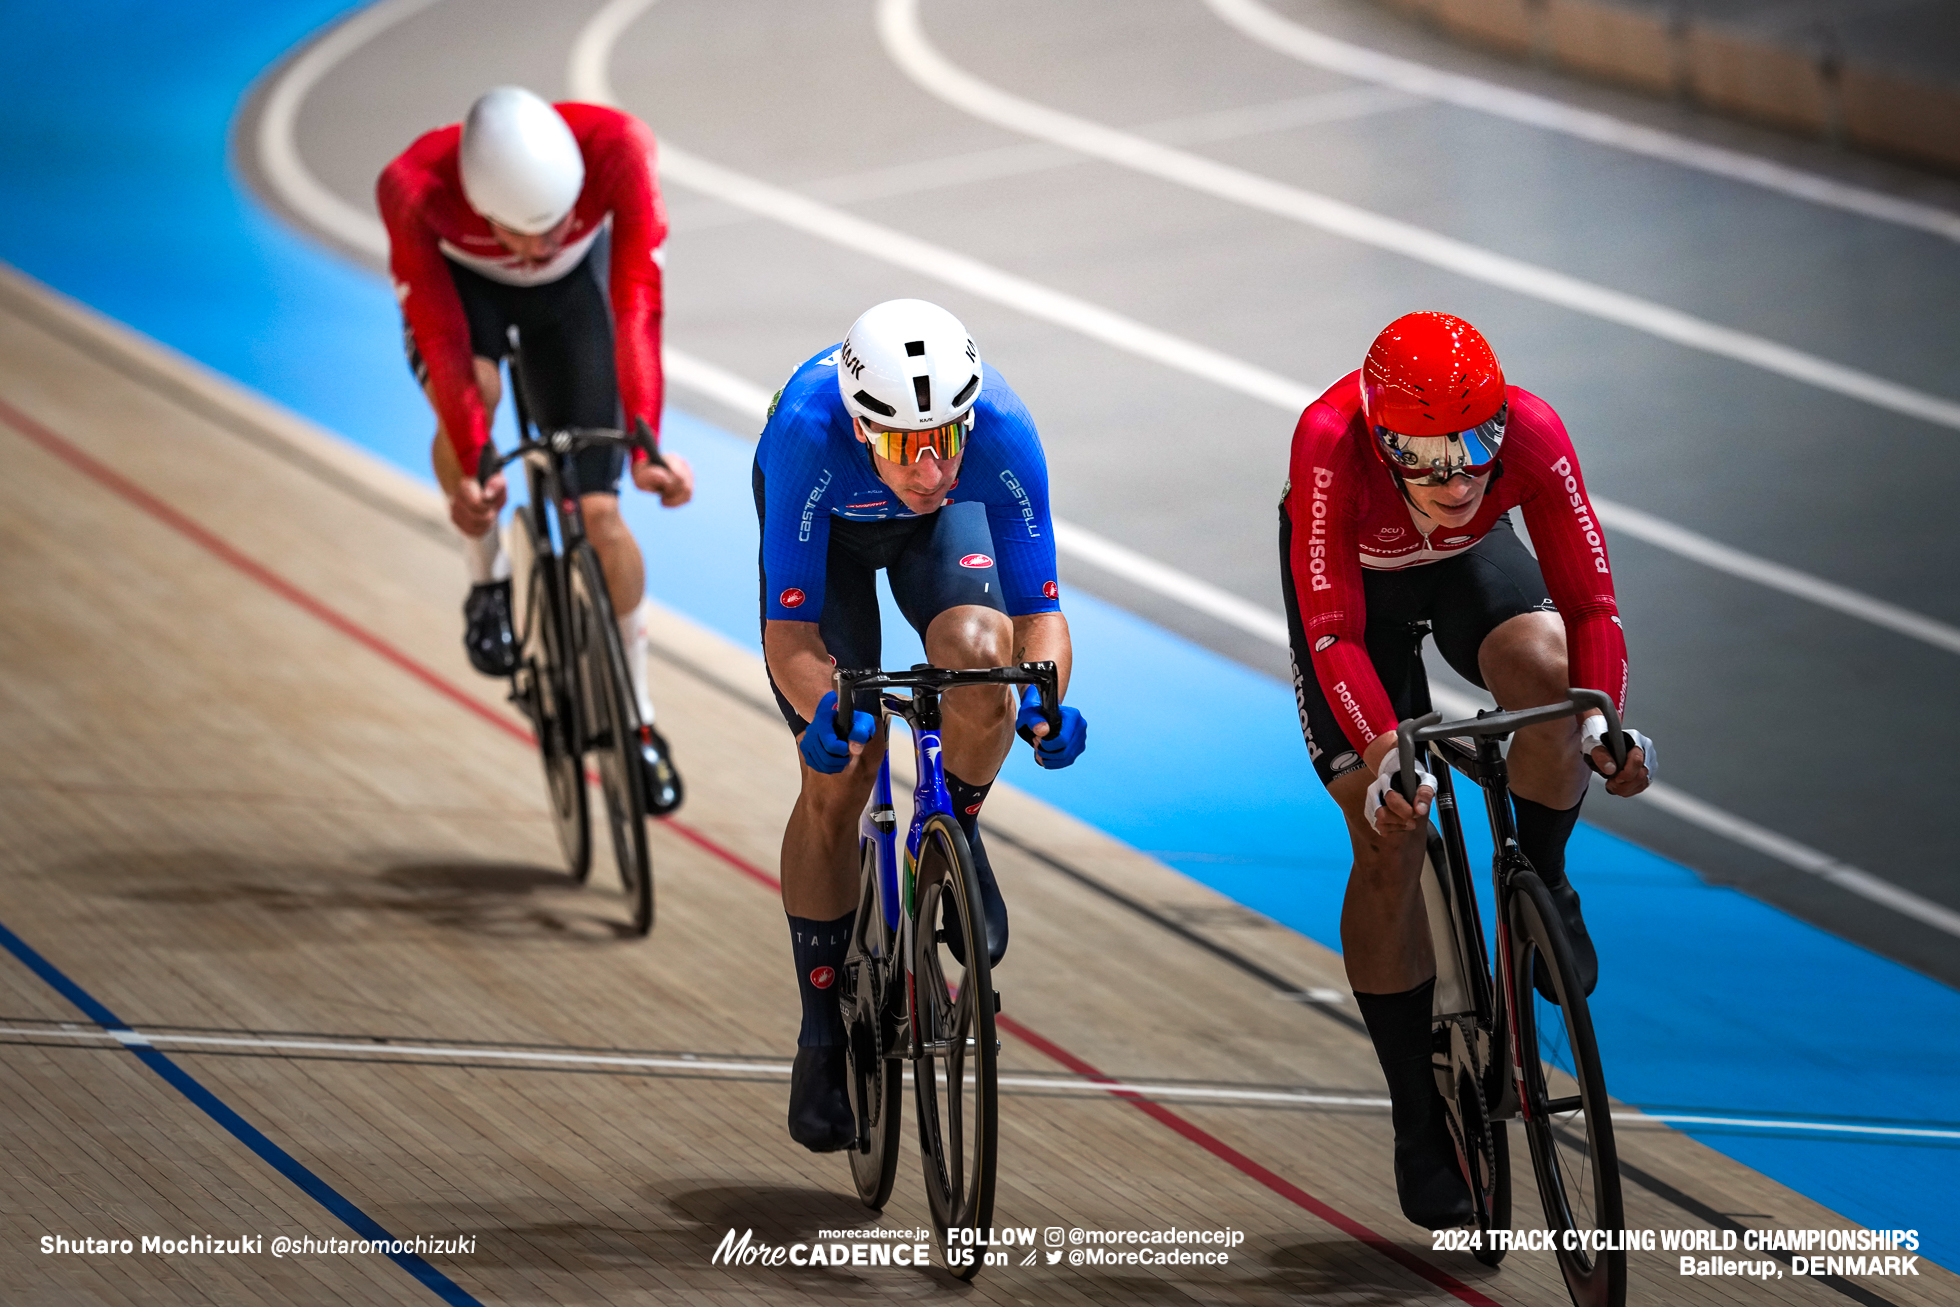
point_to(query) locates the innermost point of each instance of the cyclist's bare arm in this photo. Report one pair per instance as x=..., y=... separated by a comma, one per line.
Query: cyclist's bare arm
x=1043, y=637
x=799, y=663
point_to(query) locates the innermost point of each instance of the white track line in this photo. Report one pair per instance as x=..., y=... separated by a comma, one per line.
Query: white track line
x=369, y=1050
x=1308, y=46
x=588, y=78
x=905, y=41
x=587, y=73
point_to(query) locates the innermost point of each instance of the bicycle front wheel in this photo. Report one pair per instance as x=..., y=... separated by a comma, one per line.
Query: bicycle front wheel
x=954, y=1078
x=1567, y=1116
x=874, y=1076
x=546, y=693
x=612, y=730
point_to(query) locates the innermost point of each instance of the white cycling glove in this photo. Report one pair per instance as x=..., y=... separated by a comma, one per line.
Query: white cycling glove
x=1592, y=735
x=1385, y=780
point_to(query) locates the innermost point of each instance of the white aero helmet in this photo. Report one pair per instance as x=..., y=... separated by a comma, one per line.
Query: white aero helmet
x=520, y=163
x=908, y=364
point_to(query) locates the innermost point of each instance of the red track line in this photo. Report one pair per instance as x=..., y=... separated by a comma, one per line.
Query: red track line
x=107, y=476
x=1226, y=1153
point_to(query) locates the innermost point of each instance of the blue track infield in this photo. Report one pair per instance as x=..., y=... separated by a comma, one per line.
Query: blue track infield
x=115, y=189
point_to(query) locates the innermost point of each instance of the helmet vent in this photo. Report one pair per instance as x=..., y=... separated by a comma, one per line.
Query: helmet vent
x=966, y=391
x=922, y=387
x=875, y=404
x=915, y=349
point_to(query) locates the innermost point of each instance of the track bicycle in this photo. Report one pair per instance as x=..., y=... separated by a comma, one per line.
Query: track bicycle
x=917, y=985
x=1502, y=1050
x=571, y=679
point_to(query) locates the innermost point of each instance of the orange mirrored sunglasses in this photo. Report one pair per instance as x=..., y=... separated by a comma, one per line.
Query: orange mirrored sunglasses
x=905, y=447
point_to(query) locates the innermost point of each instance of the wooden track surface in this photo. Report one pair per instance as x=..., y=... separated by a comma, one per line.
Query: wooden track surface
x=252, y=792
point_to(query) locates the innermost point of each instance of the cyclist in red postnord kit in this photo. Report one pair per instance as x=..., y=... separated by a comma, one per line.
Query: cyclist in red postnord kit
x=545, y=218
x=1397, y=512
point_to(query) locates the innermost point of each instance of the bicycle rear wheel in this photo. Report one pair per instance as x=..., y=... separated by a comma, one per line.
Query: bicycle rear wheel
x=612, y=730
x=1483, y=1147
x=954, y=1078
x=874, y=1076
x=546, y=693
x=1567, y=1116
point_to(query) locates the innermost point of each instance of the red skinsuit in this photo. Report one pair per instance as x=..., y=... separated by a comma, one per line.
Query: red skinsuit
x=1349, y=514
x=421, y=197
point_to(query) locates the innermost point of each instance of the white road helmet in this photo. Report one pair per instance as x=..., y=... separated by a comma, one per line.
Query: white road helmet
x=520, y=163
x=908, y=364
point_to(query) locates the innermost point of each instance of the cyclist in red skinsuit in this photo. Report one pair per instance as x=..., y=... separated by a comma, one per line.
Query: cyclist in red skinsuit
x=545, y=218
x=1397, y=513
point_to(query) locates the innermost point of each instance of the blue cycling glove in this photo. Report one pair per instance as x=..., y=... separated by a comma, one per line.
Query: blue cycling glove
x=821, y=747
x=1054, y=750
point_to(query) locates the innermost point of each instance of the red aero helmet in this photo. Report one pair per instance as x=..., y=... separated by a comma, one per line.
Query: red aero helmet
x=1430, y=374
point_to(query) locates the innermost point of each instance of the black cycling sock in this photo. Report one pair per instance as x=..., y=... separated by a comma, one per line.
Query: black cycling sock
x=1542, y=833
x=819, y=947
x=966, y=808
x=1399, y=1026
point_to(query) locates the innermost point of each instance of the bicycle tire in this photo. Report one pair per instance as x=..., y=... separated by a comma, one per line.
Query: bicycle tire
x=612, y=727
x=958, y=1124
x=875, y=1078
x=1570, y=1133
x=546, y=692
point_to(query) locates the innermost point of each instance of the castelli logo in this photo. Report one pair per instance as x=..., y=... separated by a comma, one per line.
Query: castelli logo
x=976, y=560
x=975, y=808
x=822, y=977
x=791, y=598
x=1325, y=643
x=1052, y=590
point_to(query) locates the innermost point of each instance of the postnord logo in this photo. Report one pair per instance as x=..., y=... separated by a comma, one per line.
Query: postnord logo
x=791, y=598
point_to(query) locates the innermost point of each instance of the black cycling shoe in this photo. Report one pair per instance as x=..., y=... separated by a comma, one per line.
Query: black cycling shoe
x=993, y=911
x=662, y=782
x=1428, y=1181
x=1585, y=959
x=819, y=1102
x=487, y=633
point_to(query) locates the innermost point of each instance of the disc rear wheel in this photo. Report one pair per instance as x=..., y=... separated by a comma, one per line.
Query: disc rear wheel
x=1567, y=1116
x=874, y=1076
x=954, y=1078
x=612, y=731
x=546, y=691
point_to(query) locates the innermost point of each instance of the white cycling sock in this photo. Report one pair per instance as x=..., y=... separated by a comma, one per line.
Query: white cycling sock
x=485, y=558
x=633, y=638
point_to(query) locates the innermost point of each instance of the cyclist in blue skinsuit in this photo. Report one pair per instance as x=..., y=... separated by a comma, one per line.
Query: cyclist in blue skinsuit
x=896, y=449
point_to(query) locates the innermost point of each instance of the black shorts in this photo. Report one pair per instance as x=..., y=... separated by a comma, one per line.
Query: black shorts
x=566, y=329
x=921, y=558
x=1461, y=599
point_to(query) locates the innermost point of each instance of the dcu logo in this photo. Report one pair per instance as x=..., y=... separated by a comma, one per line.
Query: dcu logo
x=1051, y=590
x=976, y=560
x=822, y=977
x=791, y=598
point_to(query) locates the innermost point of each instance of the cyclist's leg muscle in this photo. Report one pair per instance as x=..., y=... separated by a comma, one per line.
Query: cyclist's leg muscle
x=619, y=553
x=1523, y=663
x=979, y=718
x=820, y=842
x=1384, y=928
